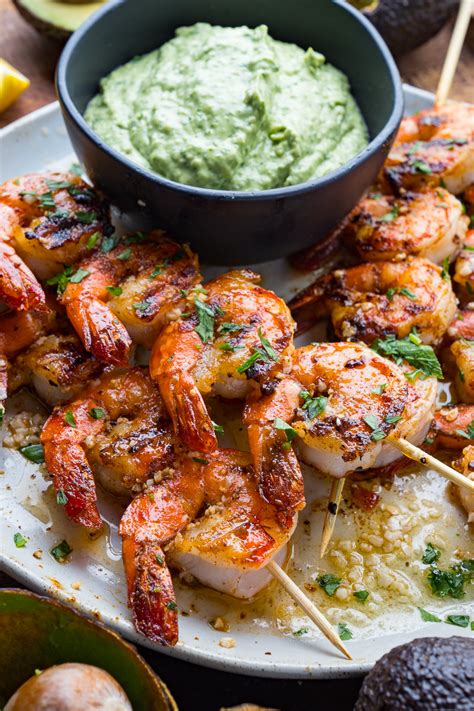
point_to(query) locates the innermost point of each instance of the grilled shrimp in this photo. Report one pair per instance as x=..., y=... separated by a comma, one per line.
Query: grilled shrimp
x=116, y=430
x=216, y=527
x=462, y=351
x=339, y=403
x=465, y=464
x=50, y=219
x=235, y=342
x=375, y=300
x=464, y=270
x=18, y=330
x=434, y=147
x=19, y=288
x=128, y=293
x=56, y=366
x=453, y=428
x=429, y=224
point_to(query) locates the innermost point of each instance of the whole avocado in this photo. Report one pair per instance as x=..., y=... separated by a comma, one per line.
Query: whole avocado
x=407, y=24
x=428, y=674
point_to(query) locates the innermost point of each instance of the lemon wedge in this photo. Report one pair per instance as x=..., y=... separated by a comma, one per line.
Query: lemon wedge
x=12, y=84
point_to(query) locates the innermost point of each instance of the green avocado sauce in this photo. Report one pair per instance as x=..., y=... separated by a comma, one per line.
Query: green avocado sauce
x=230, y=108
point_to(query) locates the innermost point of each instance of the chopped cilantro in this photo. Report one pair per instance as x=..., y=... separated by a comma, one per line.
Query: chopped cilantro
x=61, y=551
x=141, y=306
x=69, y=418
x=160, y=559
x=409, y=294
x=61, y=280
x=61, y=498
x=344, y=631
x=114, y=290
x=97, y=413
x=428, y=616
x=392, y=419
x=450, y=583
x=46, y=200
x=391, y=215
x=198, y=460
x=91, y=242
x=280, y=424
x=33, y=452
x=379, y=389
x=421, y=167
x=171, y=605
x=301, y=631
x=431, y=554
x=445, y=269
x=267, y=346
x=78, y=276
x=206, y=316
x=417, y=354
x=109, y=243
x=313, y=406
x=374, y=423
x=218, y=428
x=58, y=184
x=329, y=583
x=126, y=254
x=361, y=595
x=19, y=540
x=468, y=433
x=86, y=216
x=228, y=327
x=458, y=620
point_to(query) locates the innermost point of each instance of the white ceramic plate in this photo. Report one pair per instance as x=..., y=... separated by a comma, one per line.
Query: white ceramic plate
x=93, y=579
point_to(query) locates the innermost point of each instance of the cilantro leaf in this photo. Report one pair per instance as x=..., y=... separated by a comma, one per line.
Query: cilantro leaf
x=344, y=631
x=417, y=354
x=428, y=616
x=431, y=554
x=329, y=583
x=33, y=452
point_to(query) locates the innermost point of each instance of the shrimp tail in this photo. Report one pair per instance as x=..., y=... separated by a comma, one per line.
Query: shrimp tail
x=188, y=412
x=308, y=307
x=151, y=595
x=101, y=332
x=19, y=288
x=278, y=470
x=66, y=461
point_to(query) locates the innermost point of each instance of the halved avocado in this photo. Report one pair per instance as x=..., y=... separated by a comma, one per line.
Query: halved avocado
x=407, y=25
x=36, y=632
x=54, y=18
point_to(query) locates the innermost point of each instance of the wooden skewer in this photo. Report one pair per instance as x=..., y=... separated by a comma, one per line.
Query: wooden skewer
x=418, y=455
x=331, y=513
x=410, y=451
x=311, y=610
x=454, y=51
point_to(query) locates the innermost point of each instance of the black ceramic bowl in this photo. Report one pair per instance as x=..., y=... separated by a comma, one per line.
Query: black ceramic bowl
x=231, y=227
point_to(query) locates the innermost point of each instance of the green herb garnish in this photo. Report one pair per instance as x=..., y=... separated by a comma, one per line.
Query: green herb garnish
x=458, y=620
x=19, y=540
x=97, y=413
x=361, y=595
x=61, y=498
x=86, y=216
x=280, y=424
x=301, y=632
x=33, y=452
x=428, y=616
x=431, y=554
x=114, y=290
x=329, y=583
x=61, y=551
x=412, y=350
x=69, y=418
x=344, y=631
x=313, y=406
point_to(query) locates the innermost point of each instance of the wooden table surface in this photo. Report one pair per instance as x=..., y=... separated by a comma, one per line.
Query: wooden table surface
x=36, y=57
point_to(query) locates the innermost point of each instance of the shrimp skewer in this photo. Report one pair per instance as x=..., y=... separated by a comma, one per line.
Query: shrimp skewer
x=118, y=431
x=434, y=147
x=50, y=218
x=378, y=299
x=129, y=293
x=429, y=224
x=236, y=341
x=232, y=546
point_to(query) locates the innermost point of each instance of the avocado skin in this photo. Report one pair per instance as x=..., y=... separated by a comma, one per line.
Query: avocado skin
x=428, y=674
x=407, y=24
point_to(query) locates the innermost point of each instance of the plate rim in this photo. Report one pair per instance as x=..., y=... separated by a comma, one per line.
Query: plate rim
x=33, y=580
